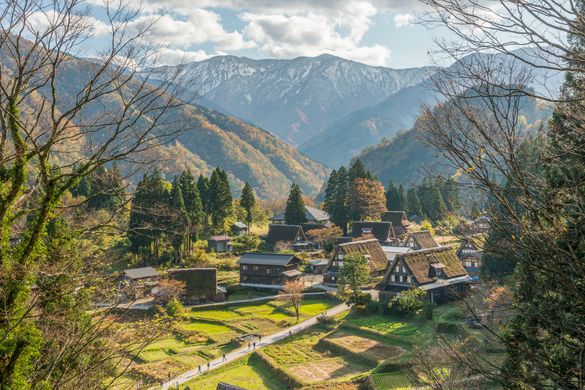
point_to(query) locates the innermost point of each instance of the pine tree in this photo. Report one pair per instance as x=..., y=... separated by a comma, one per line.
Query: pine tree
x=193, y=206
x=392, y=197
x=178, y=227
x=295, y=206
x=402, y=203
x=336, y=198
x=358, y=171
x=248, y=201
x=414, y=207
x=220, y=199
x=431, y=200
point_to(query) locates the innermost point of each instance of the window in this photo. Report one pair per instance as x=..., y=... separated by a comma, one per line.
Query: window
x=333, y=278
x=268, y=270
x=392, y=278
x=408, y=279
x=244, y=277
x=468, y=264
x=244, y=267
x=255, y=268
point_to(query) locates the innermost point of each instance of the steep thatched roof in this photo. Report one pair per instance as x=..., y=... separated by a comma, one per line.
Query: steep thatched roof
x=382, y=231
x=285, y=233
x=399, y=221
x=423, y=239
x=370, y=248
x=423, y=263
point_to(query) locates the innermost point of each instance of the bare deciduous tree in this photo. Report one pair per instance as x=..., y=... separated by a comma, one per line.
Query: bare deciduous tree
x=293, y=292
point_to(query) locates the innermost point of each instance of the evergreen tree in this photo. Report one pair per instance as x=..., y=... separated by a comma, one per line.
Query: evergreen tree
x=203, y=188
x=220, y=199
x=414, y=207
x=336, y=198
x=295, y=206
x=366, y=199
x=432, y=202
x=392, y=195
x=358, y=171
x=193, y=206
x=450, y=194
x=106, y=189
x=248, y=201
x=178, y=223
x=402, y=202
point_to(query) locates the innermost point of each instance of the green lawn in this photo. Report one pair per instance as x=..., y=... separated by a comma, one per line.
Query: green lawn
x=390, y=381
x=249, y=373
x=207, y=328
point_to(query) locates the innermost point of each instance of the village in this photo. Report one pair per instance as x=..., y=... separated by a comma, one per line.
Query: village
x=243, y=322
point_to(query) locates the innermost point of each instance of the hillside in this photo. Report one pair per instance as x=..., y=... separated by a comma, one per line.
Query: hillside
x=406, y=159
x=297, y=98
x=245, y=152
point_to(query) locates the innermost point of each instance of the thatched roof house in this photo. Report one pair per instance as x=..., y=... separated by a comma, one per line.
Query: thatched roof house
x=421, y=240
x=382, y=231
x=399, y=221
x=370, y=248
x=200, y=284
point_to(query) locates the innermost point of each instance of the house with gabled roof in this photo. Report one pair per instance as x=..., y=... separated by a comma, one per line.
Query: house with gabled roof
x=239, y=229
x=470, y=252
x=399, y=221
x=220, y=244
x=382, y=231
x=437, y=271
x=312, y=214
x=420, y=240
x=268, y=270
x=287, y=235
x=370, y=248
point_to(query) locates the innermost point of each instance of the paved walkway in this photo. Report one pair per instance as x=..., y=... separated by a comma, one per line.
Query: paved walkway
x=243, y=351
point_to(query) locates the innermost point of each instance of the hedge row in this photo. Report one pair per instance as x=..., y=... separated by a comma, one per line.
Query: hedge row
x=342, y=350
x=291, y=381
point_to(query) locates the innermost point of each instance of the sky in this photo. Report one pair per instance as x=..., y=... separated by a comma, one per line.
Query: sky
x=375, y=32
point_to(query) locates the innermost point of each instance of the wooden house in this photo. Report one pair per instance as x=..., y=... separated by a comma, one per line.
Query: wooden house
x=437, y=271
x=470, y=252
x=370, y=248
x=280, y=235
x=420, y=240
x=318, y=266
x=480, y=225
x=239, y=229
x=382, y=231
x=138, y=282
x=268, y=270
x=219, y=244
x=200, y=284
x=312, y=214
x=399, y=222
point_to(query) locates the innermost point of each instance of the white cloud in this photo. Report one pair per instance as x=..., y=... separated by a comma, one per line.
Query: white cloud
x=402, y=20
x=168, y=56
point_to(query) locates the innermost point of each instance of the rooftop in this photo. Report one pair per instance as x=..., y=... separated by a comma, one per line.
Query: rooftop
x=258, y=258
x=141, y=273
x=222, y=237
x=312, y=214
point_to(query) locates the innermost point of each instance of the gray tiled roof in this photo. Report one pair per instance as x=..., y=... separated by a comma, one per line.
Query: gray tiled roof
x=265, y=258
x=311, y=213
x=140, y=273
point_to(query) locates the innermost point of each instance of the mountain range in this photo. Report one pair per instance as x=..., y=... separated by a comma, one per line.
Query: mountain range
x=298, y=98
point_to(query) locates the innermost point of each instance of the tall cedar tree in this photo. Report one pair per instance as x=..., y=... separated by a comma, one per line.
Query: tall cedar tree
x=193, y=206
x=248, y=201
x=203, y=188
x=178, y=228
x=402, y=202
x=392, y=196
x=295, y=206
x=431, y=200
x=366, y=199
x=220, y=199
x=336, y=198
x=414, y=207
x=148, y=216
x=358, y=171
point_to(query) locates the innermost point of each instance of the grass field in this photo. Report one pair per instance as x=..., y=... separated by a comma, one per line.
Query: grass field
x=249, y=373
x=390, y=381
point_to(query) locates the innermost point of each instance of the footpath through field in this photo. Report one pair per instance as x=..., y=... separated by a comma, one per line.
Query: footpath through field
x=243, y=351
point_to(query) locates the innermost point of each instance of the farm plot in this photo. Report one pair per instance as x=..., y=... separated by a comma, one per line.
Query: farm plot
x=301, y=358
x=365, y=346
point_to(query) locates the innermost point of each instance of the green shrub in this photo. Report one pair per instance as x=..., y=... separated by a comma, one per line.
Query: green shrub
x=449, y=328
x=175, y=308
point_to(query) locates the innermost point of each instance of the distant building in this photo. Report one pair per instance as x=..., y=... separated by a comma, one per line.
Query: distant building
x=139, y=280
x=240, y=229
x=200, y=284
x=416, y=219
x=318, y=266
x=480, y=225
x=470, y=252
x=437, y=271
x=286, y=235
x=399, y=221
x=382, y=231
x=421, y=240
x=312, y=214
x=370, y=248
x=219, y=244
x=268, y=270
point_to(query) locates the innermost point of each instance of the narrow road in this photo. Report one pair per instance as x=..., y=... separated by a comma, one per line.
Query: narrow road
x=243, y=351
